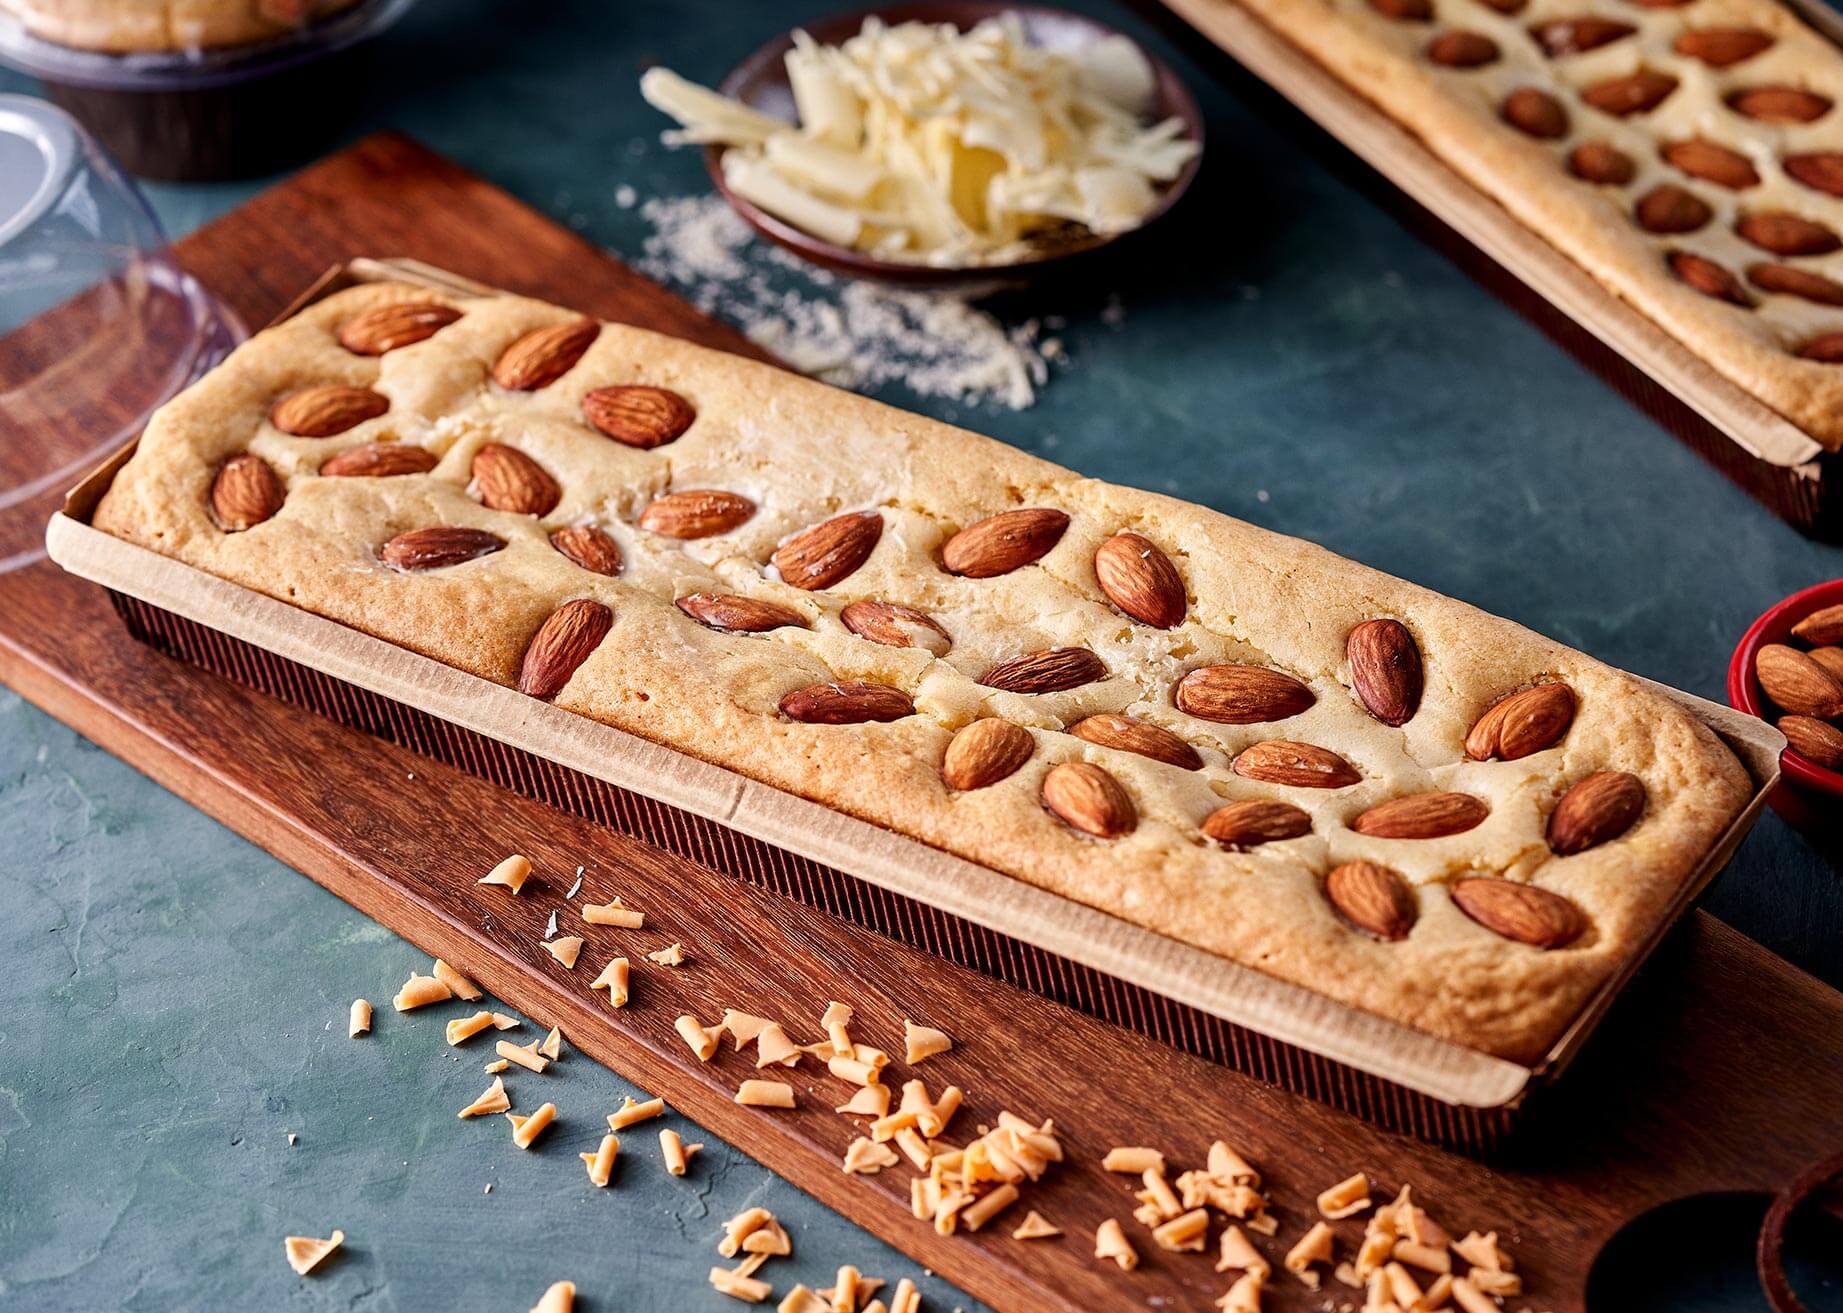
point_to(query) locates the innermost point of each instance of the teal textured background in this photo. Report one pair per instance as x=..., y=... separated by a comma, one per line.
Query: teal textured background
x=1289, y=354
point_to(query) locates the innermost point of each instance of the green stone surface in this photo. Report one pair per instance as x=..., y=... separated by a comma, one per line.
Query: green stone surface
x=1284, y=351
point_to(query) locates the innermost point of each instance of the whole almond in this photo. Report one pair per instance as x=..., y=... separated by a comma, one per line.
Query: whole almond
x=509, y=480
x=1050, y=671
x=985, y=752
x=1635, y=93
x=1373, y=899
x=1596, y=161
x=589, y=546
x=1256, y=821
x=1786, y=234
x=1789, y=280
x=1707, y=277
x=1719, y=47
x=1825, y=347
x=896, y=626
x=379, y=460
x=1520, y=911
x=544, y=355
x=1298, y=765
x=244, y=493
x=1385, y=670
x=1139, y=578
x=1130, y=734
x=1462, y=49
x=696, y=513
x=643, y=417
x=391, y=326
x=437, y=547
x=1535, y=112
x=1814, y=740
x=1573, y=36
x=1780, y=104
x=1241, y=695
x=850, y=703
x=1521, y=723
x=563, y=642
x=1001, y=543
x=1596, y=810
x=1830, y=658
x=1820, y=170
x=1091, y=800
x=830, y=552
x=320, y=412
x=1668, y=208
x=739, y=615
x=1422, y=816
x=1797, y=684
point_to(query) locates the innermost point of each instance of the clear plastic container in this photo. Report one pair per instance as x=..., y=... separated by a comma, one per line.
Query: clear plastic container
x=98, y=324
x=226, y=112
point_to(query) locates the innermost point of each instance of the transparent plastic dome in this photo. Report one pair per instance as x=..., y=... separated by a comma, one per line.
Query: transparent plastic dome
x=98, y=324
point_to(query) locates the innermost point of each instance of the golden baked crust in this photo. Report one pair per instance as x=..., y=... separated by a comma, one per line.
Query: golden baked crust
x=135, y=26
x=804, y=452
x=1456, y=112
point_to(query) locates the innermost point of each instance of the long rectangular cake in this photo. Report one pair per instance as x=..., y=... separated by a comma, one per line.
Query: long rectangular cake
x=1230, y=737
x=1687, y=153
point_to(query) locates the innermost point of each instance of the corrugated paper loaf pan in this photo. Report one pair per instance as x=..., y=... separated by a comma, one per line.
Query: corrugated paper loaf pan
x=1768, y=456
x=1390, y=1074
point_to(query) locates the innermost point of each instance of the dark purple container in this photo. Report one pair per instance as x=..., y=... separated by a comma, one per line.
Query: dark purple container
x=197, y=115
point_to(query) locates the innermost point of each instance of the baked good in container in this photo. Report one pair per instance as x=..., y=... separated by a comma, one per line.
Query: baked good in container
x=1687, y=153
x=145, y=26
x=1227, y=736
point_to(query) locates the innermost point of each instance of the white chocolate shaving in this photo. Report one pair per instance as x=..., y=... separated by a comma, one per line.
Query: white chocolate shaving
x=676, y=1153
x=701, y=1041
x=552, y=1047
x=496, y=1065
x=1035, y=1226
x=566, y=950
x=600, y=1164
x=1315, y=1246
x=559, y=1298
x=358, y=1021
x=494, y=1100
x=988, y=1206
x=419, y=992
x=525, y=1130
x=870, y=1101
x=766, y=1094
x=525, y=1055
x=1110, y=1242
x=738, y=1285
x=463, y=987
x=1345, y=1199
x=501, y=1021
x=865, y=1157
x=306, y=1253
x=923, y=1041
x=462, y=1029
x=1245, y=1295
x=802, y=1300
x=774, y=1048
x=631, y=1113
x=1185, y=1233
x=1134, y=1160
x=742, y=1027
x=615, y=913
x=614, y=979
x=672, y=955
x=512, y=873
x=1238, y=1252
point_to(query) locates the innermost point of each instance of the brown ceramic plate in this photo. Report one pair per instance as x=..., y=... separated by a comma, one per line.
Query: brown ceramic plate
x=760, y=82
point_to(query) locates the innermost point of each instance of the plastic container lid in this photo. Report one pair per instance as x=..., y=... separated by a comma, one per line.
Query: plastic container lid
x=98, y=324
x=191, y=70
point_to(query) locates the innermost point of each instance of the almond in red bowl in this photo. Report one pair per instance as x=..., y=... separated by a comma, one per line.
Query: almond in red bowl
x=1788, y=670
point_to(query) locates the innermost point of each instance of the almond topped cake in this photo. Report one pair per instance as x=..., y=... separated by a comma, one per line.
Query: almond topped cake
x=1687, y=153
x=1230, y=737
x=134, y=26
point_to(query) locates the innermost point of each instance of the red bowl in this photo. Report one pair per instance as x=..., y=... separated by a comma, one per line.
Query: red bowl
x=760, y=82
x=1808, y=793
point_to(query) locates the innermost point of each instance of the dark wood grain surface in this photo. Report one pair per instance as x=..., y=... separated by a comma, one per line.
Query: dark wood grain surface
x=1719, y=1071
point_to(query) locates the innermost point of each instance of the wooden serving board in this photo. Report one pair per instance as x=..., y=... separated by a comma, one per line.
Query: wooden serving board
x=1718, y=1071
